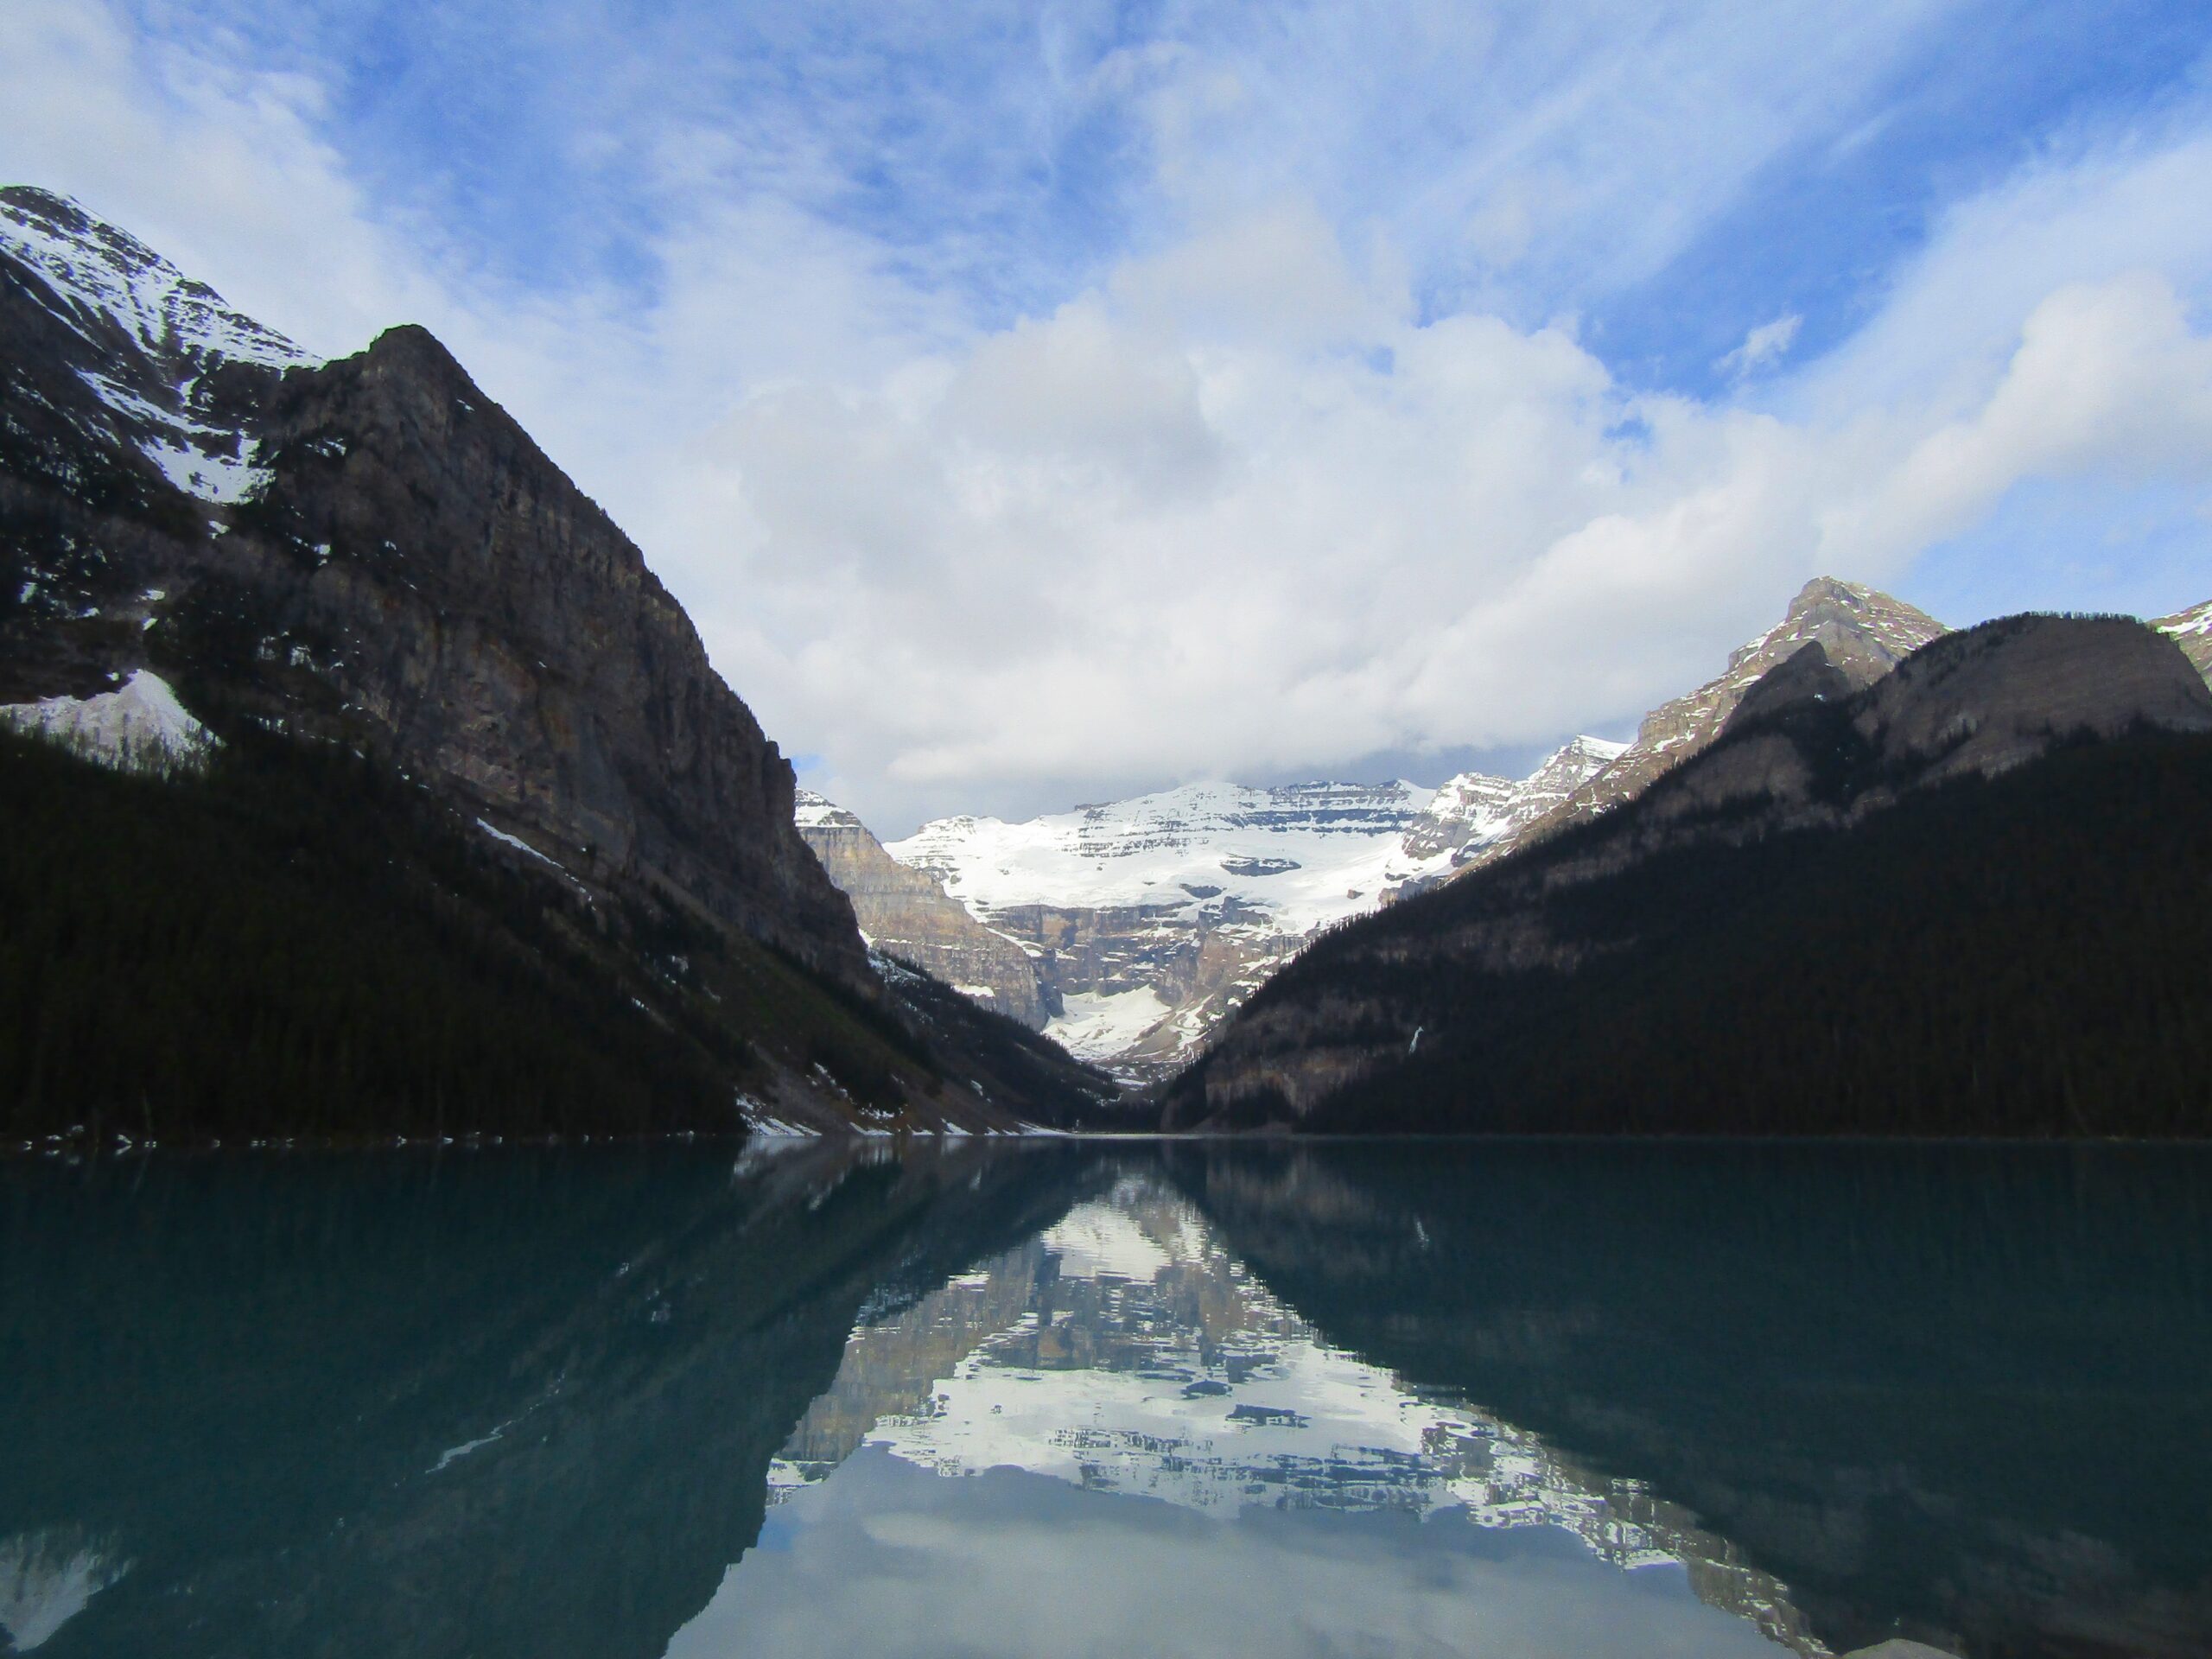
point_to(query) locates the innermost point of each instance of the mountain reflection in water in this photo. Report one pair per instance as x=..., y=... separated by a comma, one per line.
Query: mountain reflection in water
x=1175, y=1398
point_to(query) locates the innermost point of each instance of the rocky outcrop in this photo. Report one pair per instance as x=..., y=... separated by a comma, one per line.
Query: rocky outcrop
x=905, y=912
x=1862, y=634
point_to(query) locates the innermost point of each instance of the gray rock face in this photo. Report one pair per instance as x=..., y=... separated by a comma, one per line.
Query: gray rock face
x=905, y=913
x=391, y=559
x=450, y=584
x=1862, y=634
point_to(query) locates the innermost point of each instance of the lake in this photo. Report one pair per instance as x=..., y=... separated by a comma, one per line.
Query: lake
x=1506, y=1399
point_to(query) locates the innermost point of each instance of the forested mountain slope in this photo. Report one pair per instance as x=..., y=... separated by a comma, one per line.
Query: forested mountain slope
x=1967, y=900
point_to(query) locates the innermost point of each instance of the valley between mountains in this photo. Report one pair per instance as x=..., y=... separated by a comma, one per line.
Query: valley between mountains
x=364, y=781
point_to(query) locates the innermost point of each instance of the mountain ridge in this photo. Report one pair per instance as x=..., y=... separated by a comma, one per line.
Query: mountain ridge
x=1610, y=976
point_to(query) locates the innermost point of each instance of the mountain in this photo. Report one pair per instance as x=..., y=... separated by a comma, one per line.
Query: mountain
x=1950, y=902
x=1143, y=936
x=904, y=913
x=1148, y=920
x=2192, y=631
x=1476, y=818
x=368, y=555
x=1863, y=633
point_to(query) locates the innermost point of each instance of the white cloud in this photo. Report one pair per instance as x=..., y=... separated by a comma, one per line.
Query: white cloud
x=1764, y=345
x=1233, y=504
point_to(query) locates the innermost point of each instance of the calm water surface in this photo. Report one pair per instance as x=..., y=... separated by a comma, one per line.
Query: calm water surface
x=1520, y=1399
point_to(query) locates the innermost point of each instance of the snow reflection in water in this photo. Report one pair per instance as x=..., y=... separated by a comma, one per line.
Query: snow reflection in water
x=1173, y=1461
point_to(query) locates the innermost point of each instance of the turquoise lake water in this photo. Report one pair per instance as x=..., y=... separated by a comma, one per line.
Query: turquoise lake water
x=1077, y=1398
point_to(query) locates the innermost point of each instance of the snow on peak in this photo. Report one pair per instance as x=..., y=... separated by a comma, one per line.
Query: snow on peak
x=155, y=342
x=138, y=726
x=813, y=811
x=1477, y=811
x=107, y=273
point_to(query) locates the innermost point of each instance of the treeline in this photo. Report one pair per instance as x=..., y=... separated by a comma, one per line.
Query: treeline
x=2030, y=955
x=301, y=944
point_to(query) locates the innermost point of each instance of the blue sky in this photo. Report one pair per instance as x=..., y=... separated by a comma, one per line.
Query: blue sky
x=1037, y=402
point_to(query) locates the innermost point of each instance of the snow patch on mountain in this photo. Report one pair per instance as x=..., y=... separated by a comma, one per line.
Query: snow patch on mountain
x=104, y=274
x=2192, y=631
x=813, y=811
x=1150, y=919
x=1100, y=1025
x=138, y=726
x=168, y=338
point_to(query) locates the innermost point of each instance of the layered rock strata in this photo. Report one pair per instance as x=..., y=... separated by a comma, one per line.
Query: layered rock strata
x=905, y=912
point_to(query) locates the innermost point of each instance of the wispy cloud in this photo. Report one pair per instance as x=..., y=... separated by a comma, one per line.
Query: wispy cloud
x=1765, y=345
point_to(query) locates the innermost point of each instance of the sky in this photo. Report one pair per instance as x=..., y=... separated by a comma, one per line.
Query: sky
x=1035, y=404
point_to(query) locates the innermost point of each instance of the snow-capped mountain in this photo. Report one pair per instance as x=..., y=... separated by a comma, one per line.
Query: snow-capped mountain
x=1149, y=919
x=178, y=370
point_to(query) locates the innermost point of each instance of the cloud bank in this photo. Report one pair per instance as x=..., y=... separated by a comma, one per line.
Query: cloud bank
x=1152, y=422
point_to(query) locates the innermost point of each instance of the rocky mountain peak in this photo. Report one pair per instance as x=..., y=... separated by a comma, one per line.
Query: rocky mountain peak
x=1862, y=632
x=813, y=811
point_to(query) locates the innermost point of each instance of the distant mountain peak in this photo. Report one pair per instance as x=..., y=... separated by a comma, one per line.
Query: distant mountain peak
x=1148, y=919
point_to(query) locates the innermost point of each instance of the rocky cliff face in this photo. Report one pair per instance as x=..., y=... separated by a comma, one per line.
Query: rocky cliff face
x=1413, y=987
x=1862, y=634
x=905, y=912
x=430, y=565
x=394, y=558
